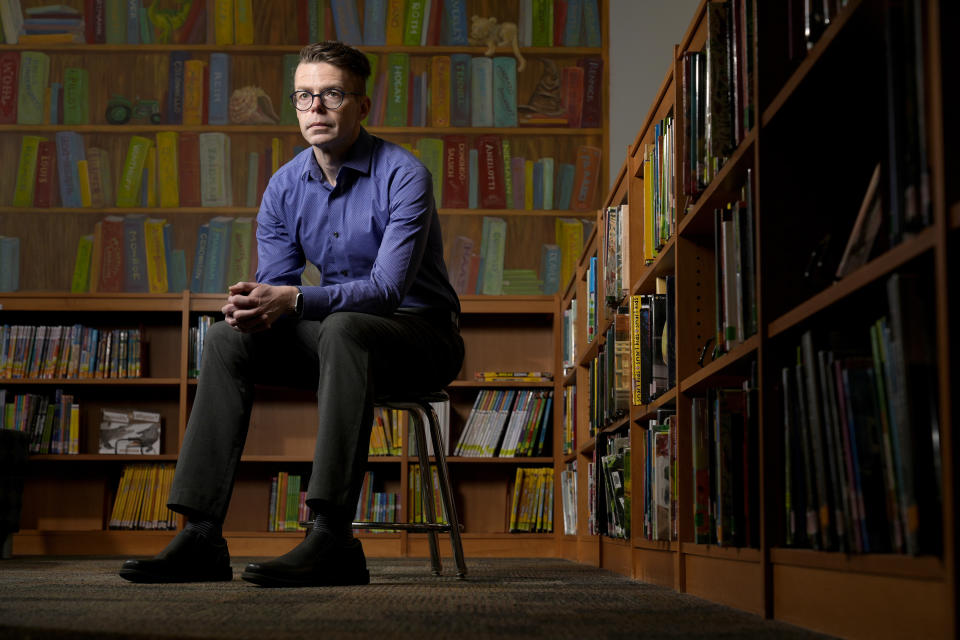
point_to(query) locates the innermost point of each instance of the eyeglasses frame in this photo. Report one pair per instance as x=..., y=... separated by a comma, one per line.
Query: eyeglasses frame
x=320, y=95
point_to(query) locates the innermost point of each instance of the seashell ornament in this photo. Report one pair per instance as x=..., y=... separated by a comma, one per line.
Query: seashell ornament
x=252, y=105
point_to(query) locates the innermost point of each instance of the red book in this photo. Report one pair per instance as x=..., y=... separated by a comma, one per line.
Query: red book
x=95, y=21
x=303, y=21
x=586, y=175
x=571, y=87
x=559, y=22
x=189, y=169
x=43, y=189
x=435, y=20
x=194, y=29
x=330, y=31
x=490, y=185
x=456, y=172
x=111, y=259
x=9, y=71
x=592, y=92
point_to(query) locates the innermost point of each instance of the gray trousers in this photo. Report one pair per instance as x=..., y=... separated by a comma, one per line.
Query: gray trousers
x=349, y=358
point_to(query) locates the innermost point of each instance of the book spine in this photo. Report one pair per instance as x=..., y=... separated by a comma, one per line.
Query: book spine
x=460, y=93
x=586, y=176
x=156, y=255
x=9, y=74
x=243, y=22
x=491, y=194
x=375, y=22
x=175, y=86
x=481, y=91
x=398, y=68
x=76, y=98
x=455, y=18
x=414, y=22
x=131, y=176
x=167, y=170
x=43, y=189
x=135, y=255
x=200, y=259
x=33, y=80
x=346, y=20
x=193, y=92
x=440, y=91
x=23, y=192
x=396, y=14
x=111, y=267
x=504, y=91
x=223, y=21
x=592, y=110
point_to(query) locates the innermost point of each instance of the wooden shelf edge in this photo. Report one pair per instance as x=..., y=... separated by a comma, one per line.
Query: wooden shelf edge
x=252, y=211
x=919, y=567
x=746, y=348
x=643, y=411
x=254, y=49
x=809, y=62
x=65, y=301
x=705, y=201
x=478, y=304
x=614, y=542
x=616, y=425
x=865, y=275
x=664, y=264
x=293, y=130
x=100, y=457
x=73, y=382
x=503, y=384
x=738, y=554
x=654, y=545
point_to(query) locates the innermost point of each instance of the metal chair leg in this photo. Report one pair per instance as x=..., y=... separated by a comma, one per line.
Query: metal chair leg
x=446, y=492
x=426, y=483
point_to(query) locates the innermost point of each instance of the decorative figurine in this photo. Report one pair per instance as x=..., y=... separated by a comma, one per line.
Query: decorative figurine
x=493, y=34
x=121, y=111
x=251, y=105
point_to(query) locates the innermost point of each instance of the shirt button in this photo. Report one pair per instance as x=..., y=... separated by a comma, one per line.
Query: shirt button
x=344, y=272
x=336, y=234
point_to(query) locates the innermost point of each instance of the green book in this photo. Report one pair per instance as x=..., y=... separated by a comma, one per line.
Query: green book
x=413, y=24
x=542, y=23
x=81, y=267
x=76, y=96
x=398, y=84
x=34, y=79
x=494, y=241
x=26, y=171
x=128, y=191
x=241, y=241
x=374, y=61
x=288, y=113
x=431, y=155
x=115, y=17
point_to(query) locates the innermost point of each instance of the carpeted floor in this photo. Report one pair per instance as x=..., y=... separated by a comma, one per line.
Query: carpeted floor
x=502, y=598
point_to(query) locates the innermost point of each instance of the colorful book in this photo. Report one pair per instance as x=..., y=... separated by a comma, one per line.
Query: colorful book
x=592, y=111
x=490, y=184
x=216, y=188
x=218, y=254
x=134, y=255
x=193, y=91
x=375, y=23
x=167, y=171
x=542, y=21
x=131, y=176
x=504, y=91
x=76, y=96
x=200, y=259
x=70, y=150
x=456, y=178
x=550, y=257
x=111, y=267
x=223, y=21
x=440, y=91
x=565, y=179
x=101, y=181
x=83, y=179
x=9, y=74
x=44, y=187
x=115, y=21
x=176, y=271
x=175, y=88
x=431, y=155
x=33, y=80
x=156, y=254
x=481, y=91
x=592, y=36
x=414, y=22
x=460, y=89
x=493, y=249
x=455, y=23
x=23, y=191
x=219, y=89
x=243, y=22
x=396, y=14
x=241, y=244
x=80, y=283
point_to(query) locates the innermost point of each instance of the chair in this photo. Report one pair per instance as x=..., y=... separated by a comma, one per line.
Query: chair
x=418, y=404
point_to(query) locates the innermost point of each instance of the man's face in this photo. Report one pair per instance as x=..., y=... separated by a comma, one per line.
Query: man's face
x=330, y=130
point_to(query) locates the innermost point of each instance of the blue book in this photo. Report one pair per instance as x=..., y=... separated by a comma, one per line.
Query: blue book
x=175, y=86
x=177, y=271
x=550, y=268
x=565, y=173
x=168, y=251
x=56, y=91
x=543, y=427
x=538, y=185
x=313, y=31
x=9, y=263
x=375, y=22
x=504, y=91
x=591, y=24
x=133, y=21
x=455, y=23
x=474, y=197
x=460, y=90
x=134, y=255
x=70, y=150
x=218, y=254
x=481, y=91
x=219, y=89
x=200, y=259
x=573, y=27
x=346, y=20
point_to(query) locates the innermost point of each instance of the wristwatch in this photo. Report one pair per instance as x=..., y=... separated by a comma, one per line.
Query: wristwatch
x=298, y=305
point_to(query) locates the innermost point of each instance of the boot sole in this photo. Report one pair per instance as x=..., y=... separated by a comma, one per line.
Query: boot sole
x=265, y=580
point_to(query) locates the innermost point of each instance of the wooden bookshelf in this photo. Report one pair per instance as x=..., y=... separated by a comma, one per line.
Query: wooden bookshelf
x=500, y=332
x=815, y=137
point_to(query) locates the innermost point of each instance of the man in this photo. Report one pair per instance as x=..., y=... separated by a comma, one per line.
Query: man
x=384, y=320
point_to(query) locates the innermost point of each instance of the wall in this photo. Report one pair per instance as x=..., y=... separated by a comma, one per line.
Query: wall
x=642, y=35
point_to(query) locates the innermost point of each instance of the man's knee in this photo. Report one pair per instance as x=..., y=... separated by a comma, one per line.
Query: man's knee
x=342, y=325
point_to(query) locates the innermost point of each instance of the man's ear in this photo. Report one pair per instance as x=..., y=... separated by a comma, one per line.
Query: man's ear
x=365, y=106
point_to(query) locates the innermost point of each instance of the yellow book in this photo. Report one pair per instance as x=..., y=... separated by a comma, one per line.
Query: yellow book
x=81, y=266
x=156, y=255
x=528, y=185
x=440, y=92
x=168, y=183
x=74, y=447
x=223, y=21
x=193, y=92
x=396, y=12
x=514, y=508
x=648, y=186
x=241, y=244
x=150, y=169
x=83, y=175
x=243, y=22
x=275, y=151
x=636, y=343
x=119, y=501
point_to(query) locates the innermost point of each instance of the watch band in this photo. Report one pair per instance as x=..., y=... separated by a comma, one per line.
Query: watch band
x=298, y=305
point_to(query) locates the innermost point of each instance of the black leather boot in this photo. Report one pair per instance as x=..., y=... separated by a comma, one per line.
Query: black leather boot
x=190, y=557
x=319, y=560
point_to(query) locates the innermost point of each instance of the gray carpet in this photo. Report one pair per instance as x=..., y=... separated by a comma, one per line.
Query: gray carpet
x=47, y=597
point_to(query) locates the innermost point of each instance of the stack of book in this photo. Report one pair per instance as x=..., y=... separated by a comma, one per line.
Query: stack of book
x=568, y=493
x=506, y=423
x=531, y=510
x=55, y=352
x=141, y=498
x=52, y=424
x=288, y=507
x=418, y=514
x=660, y=477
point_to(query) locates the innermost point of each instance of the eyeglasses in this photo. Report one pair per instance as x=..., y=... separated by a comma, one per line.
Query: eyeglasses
x=329, y=98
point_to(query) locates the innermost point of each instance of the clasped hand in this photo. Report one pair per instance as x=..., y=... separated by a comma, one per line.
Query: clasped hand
x=253, y=307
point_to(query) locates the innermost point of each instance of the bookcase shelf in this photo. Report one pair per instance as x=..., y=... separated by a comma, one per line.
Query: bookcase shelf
x=865, y=275
x=805, y=191
x=97, y=457
x=252, y=211
x=71, y=382
x=265, y=49
x=291, y=130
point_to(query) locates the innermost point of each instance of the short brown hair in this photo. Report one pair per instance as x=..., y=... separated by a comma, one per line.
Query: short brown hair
x=339, y=55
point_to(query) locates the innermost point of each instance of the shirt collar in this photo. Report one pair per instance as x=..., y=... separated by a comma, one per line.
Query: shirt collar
x=359, y=158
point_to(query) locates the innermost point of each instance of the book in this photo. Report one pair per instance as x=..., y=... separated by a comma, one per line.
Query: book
x=243, y=22
x=176, y=271
x=398, y=85
x=542, y=21
x=460, y=89
x=432, y=156
x=375, y=22
x=131, y=175
x=592, y=110
x=76, y=96
x=216, y=189
x=193, y=91
x=23, y=191
x=241, y=245
x=44, y=190
x=571, y=91
x=110, y=265
x=156, y=255
x=414, y=22
x=491, y=194
x=586, y=177
x=504, y=94
x=396, y=14
x=33, y=78
x=866, y=228
x=456, y=177
x=175, y=86
x=346, y=20
x=70, y=150
x=167, y=170
x=455, y=22
x=568, y=233
x=550, y=258
x=493, y=249
x=134, y=254
x=440, y=91
x=9, y=74
x=200, y=259
x=223, y=21
x=217, y=255
x=219, y=88
x=481, y=91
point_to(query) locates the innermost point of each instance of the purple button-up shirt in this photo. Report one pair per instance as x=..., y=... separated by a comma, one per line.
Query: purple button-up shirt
x=375, y=236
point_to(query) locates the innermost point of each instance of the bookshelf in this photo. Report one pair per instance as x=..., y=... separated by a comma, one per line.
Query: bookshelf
x=820, y=127
x=68, y=498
